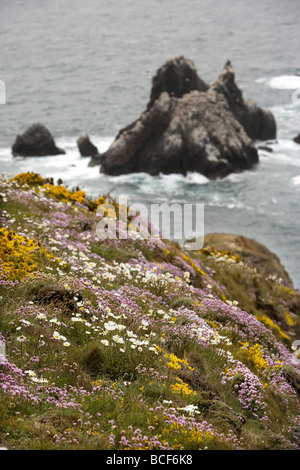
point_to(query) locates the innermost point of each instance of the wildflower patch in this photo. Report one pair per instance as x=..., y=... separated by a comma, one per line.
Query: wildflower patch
x=134, y=344
x=19, y=255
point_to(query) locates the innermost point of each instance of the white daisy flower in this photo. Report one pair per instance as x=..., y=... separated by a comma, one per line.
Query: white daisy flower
x=118, y=339
x=21, y=339
x=56, y=335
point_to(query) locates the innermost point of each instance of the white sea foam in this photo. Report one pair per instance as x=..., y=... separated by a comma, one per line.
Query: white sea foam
x=165, y=183
x=71, y=167
x=196, y=178
x=296, y=180
x=234, y=177
x=284, y=82
x=285, y=152
x=231, y=204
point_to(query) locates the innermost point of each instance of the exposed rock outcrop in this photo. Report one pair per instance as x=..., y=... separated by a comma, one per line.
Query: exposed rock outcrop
x=255, y=253
x=86, y=147
x=190, y=126
x=177, y=77
x=266, y=274
x=36, y=141
x=297, y=139
x=257, y=122
x=265, y=148
x=96, y=160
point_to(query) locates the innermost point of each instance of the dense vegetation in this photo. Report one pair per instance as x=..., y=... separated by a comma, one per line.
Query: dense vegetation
x=136, y=343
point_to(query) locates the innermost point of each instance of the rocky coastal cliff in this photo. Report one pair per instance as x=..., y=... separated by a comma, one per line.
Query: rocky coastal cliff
x=135, y=343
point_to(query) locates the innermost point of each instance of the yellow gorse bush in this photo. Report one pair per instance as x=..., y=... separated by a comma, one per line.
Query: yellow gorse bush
x=290, y=319
x=30, y=178
x=58, y=191
x=18, y=254
x=285, y=289
x=268, y=322
x=62, y=193
x=183, y=389
x=254, y=355
x=195, y=435
x=179, y=436
x=176, y=363
x=194, y=265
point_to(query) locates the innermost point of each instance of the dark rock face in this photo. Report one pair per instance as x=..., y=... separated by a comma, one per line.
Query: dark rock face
x=132, y=149
x=177, y=77
x=96, y=160
x=297, y=139
x=266, y=148
x=86, y=147
x=189, y=126
x=179, y=135
x=35, y=142
x=257, y=122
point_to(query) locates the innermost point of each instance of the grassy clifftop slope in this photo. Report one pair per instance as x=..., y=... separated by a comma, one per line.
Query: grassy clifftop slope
x=136, y=344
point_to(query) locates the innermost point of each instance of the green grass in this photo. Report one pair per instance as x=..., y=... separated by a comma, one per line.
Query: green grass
x=96, y=391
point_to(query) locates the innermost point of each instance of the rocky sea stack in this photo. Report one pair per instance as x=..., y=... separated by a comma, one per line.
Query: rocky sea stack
x=297, y=139
x=86, y=147
x=191, y=126
x=37, y=141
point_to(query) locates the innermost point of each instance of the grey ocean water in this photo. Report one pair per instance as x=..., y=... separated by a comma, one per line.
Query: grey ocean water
x=86, y=66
